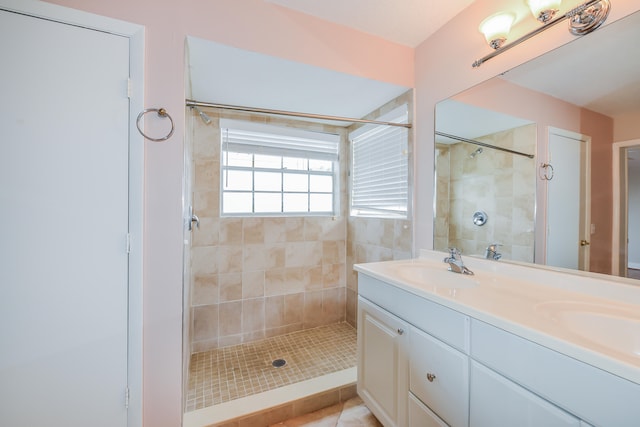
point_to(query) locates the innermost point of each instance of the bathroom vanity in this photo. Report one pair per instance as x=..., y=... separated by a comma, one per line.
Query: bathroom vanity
x=511, y=345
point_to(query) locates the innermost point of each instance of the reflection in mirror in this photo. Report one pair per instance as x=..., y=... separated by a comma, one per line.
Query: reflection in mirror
x=474, y=179
x=586, y=94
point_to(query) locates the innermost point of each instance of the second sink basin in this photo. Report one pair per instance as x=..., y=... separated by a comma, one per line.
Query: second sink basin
x=610, y=326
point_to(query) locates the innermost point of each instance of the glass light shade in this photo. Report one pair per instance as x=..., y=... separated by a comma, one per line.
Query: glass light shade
x=496, y=28
x=543, y=10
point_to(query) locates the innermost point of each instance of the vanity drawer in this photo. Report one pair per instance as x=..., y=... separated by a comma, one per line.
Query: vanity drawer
x=442, y=322
x=593, y=395
x=497, y=401
x=439, y=377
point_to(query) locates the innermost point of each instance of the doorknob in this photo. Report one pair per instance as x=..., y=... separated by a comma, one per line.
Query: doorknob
x=584, y=243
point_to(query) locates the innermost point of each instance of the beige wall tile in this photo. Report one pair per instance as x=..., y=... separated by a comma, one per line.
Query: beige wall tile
x=293, y=308
x=294, y=229
x=252, y=284
x=230, y=287
x=229, y=318
x=275, y=230
x=274, y=282
x=253, y=315
x=314, y=277
x=274, y=255
x=231, y=231
x=207, y=203
x=230, y=259
x=312, y=316
x=205, y=322
x=253, y=257
x=207, y=234
x=253, y=229
x=205, y=290
x=203, y=261
x=274, y=312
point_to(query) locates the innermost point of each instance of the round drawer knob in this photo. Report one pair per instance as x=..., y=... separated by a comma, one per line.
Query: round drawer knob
x=431, y=377
x=400, y=331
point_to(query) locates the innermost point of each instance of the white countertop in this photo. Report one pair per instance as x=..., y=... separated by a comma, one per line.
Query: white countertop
x=530, y=301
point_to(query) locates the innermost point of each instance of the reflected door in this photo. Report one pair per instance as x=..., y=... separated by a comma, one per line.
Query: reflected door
x=567, y=207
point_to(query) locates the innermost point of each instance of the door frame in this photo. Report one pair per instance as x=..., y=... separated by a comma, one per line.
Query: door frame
x=135, y=34
x=620, y=206
x=585, y=191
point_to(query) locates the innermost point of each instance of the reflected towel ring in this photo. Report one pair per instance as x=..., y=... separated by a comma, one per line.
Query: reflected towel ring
x=547, y=175
x=161, y=113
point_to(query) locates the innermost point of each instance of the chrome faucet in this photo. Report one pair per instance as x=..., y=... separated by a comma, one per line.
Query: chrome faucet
x=492, y=252
x=455, y=262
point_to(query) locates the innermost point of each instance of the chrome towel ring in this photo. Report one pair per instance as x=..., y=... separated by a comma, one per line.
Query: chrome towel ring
x=161, y=113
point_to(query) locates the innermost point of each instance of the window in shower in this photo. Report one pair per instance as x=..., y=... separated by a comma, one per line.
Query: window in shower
x=276, y=171
x=380, y=168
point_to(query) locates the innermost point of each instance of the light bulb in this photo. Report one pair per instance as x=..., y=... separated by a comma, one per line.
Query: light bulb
x=544, y=10
x=496, y=28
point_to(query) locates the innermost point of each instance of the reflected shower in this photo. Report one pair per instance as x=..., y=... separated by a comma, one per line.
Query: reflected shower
x=475, y=153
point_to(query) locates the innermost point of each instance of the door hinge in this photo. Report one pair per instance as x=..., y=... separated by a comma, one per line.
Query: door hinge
x=128, y=243
x=129, y=84
x=126, y=397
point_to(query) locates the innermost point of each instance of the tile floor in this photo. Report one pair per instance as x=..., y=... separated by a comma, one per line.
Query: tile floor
x=352, y=413
x=229, y=373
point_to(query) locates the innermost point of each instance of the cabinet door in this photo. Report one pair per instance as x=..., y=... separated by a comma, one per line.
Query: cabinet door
x=496, y=401
x=382, y=363
x=421, y=416
x=439, y=376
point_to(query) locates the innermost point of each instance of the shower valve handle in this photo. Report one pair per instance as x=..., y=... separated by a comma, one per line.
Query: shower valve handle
x=193, y=218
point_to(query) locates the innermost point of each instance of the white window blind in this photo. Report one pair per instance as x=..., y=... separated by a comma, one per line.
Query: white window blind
x=248, y=137
x=379, y=173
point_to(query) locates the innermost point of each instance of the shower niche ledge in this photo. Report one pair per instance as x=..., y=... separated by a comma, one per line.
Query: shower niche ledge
x=500, y=352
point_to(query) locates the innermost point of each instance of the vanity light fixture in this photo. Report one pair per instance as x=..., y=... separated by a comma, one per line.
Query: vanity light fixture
x=496, y=28
x=582, y=20
x=544, y=10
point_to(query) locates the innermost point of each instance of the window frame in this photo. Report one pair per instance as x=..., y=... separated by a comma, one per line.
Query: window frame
x=309, y=155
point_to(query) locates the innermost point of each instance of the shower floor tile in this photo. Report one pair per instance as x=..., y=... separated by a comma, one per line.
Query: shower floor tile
x=229, y=373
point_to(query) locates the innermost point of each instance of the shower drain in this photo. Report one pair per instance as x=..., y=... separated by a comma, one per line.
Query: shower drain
x=278, y=363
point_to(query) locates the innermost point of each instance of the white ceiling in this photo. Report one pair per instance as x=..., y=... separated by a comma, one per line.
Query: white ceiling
x=407, y=22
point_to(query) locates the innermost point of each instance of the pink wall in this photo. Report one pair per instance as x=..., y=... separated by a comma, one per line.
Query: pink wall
x=626, y=127
x=248, y=24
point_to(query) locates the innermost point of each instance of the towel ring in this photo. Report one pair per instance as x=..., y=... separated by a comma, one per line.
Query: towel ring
x=161, y=113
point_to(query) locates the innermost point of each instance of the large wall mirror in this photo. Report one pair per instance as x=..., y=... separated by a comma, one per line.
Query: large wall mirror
x=526, y=168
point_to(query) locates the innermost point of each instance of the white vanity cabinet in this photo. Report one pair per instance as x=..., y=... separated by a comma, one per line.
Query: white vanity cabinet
x=439, y=377
x=496, y=401
x=422, y=364
x=382, y=363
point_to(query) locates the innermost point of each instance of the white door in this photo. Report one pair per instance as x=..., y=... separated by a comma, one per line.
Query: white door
x=63, y=224
x=567, y=201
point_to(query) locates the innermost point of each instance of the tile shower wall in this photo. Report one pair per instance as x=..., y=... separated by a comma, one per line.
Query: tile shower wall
x=498, y=183
x=253, y=278
x=377, y=239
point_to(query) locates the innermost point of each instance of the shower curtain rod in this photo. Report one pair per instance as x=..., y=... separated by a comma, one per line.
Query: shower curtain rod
x=483, y=144
x=192, y=103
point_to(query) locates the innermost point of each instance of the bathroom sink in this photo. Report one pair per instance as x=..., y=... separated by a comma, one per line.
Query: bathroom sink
x=436, y=276
x=610, y=326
